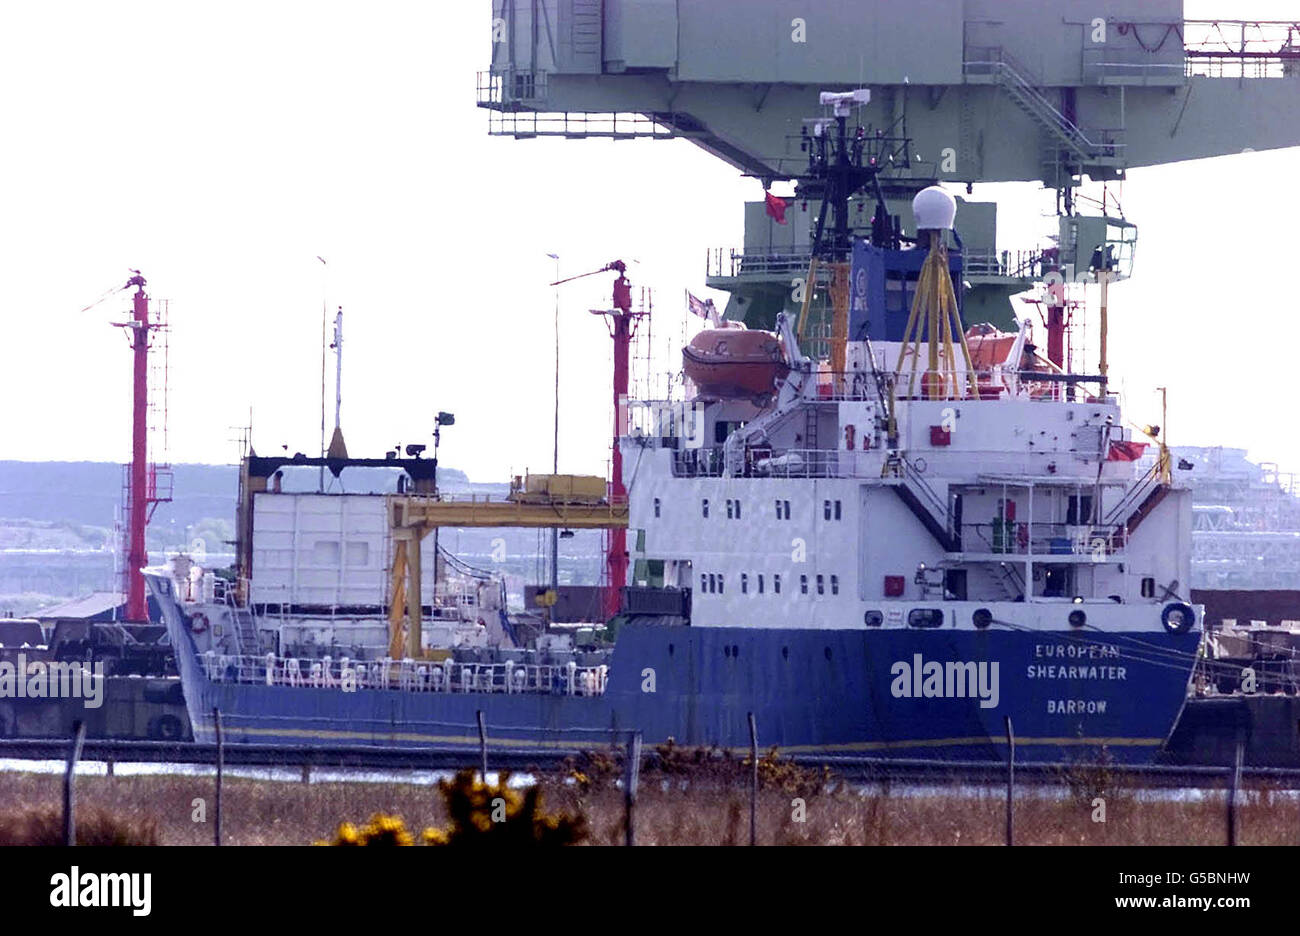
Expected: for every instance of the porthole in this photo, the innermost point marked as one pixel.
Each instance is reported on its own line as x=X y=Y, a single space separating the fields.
x=1078 y=618
x=925 y=617
x=982 y=618
x=873 y=619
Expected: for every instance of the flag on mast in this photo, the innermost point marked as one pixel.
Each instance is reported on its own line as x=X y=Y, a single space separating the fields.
x=704 y=308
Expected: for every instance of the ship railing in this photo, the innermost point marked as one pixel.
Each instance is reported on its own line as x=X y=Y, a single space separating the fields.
x=733 y=262
x=449 y=676
x=1098 y=541
x=991 y=384
x=785 y=463
x=681 y=424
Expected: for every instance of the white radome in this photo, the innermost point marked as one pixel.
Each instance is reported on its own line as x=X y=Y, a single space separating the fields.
x=934 y=209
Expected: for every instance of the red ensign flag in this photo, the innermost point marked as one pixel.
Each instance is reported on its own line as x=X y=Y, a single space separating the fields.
x=776 y=207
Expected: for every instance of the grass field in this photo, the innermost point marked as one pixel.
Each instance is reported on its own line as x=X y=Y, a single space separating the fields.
x=669 y=811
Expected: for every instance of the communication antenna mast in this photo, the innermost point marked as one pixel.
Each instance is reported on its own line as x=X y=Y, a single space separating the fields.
x=338 y=450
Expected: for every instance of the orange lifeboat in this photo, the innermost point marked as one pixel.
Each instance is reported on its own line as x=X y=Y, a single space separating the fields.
x=991 y=348
x=735 y=362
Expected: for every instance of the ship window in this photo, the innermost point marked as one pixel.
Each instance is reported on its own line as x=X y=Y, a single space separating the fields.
x=803 y=584
x=826 y=509
x=837 y=510
x=721 y=584
x=873 y=619
x=730 y=515
x=704 y=582
x=1148 y=587
x=821 y=585
x=325 y=553
x=787 y=509
x=925 y=617
x=744 y=583
x=776 y=582
x=358 y=553
x=1078 y=509
x=737 y=508
x=760 y=583
x=656 y=506
x=778 y=509
x=835 y=584
x=704 y=506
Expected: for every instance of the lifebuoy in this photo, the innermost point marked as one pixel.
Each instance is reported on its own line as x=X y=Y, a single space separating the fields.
x=198 y=622
x=1177 y=617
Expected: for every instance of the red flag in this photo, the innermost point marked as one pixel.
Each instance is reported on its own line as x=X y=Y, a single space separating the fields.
x=776 y=207
x=1126 y=451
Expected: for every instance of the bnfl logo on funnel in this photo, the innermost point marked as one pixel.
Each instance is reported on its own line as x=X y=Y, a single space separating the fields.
x=952 y=680
x=53 y=680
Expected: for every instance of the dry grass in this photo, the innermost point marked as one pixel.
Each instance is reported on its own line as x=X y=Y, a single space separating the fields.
x=43 y=825
x=670 y=810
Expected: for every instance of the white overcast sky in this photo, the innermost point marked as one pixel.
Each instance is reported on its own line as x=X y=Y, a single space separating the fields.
x=220 y=148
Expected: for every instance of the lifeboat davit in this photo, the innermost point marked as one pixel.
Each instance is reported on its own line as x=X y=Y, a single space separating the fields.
x=734 y=361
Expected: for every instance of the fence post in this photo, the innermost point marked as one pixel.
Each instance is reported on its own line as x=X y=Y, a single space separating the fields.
x=1233 y=785
x=631 y=776
x=221 y=767
x=1011 y=782
x=482 y=745
x=69 y=784
x=753 y=780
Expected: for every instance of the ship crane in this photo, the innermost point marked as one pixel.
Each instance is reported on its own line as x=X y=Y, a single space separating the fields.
x=622 y=326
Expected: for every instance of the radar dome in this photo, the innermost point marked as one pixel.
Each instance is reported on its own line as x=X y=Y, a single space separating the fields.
x=934 y=209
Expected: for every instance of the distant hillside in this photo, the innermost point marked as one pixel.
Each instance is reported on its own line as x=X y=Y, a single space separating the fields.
x=90 y=493
x=56 y=526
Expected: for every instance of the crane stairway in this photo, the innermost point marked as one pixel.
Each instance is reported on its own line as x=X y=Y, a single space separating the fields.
x=1068 y=138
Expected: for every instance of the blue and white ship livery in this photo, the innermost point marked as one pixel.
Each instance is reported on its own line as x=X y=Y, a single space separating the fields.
x=891 y=553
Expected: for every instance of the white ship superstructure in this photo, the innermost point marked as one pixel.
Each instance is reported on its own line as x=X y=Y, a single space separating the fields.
x=1010 y=506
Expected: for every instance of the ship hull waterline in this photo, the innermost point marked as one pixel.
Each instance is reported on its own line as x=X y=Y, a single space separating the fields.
x=1071 y=696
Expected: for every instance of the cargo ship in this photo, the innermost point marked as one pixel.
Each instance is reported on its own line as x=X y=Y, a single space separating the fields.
x=901 y=546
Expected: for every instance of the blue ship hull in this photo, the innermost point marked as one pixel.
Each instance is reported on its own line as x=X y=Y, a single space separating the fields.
x=1068 y=695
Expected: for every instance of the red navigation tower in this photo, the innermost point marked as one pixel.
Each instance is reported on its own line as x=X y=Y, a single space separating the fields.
x=141 y=492
x=622 y=326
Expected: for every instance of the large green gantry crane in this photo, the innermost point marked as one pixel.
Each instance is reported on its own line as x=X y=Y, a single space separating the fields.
x=962 y=91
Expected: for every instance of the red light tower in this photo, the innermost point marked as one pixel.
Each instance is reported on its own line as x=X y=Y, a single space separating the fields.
x=141 y=489
x=622 y=326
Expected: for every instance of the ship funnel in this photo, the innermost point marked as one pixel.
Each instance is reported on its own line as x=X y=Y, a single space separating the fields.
x=934 y=209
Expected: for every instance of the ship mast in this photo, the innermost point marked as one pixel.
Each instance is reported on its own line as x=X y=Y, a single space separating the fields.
x=142 y=492
x=622 y=326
